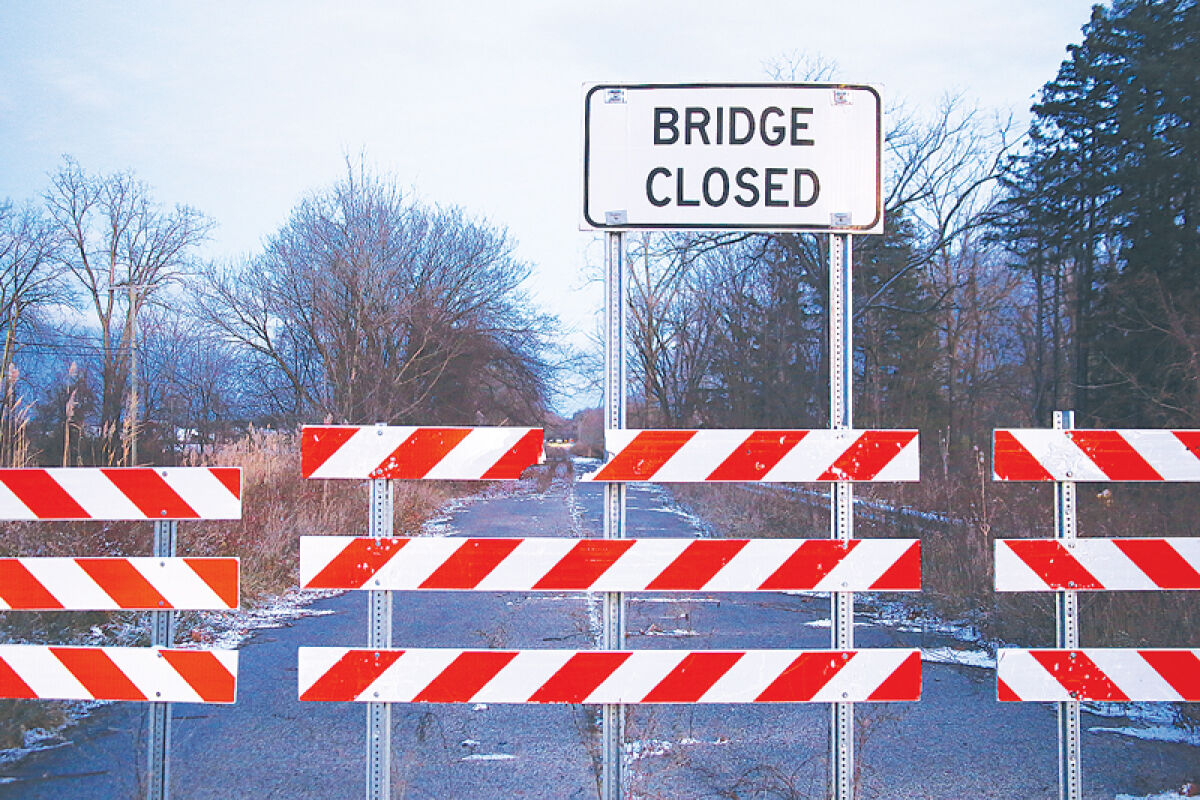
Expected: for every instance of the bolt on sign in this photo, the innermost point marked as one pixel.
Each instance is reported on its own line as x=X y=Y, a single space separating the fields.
x=771 y=156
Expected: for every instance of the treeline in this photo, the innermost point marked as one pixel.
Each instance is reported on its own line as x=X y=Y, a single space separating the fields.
x=123 y=345
x=1016 y=276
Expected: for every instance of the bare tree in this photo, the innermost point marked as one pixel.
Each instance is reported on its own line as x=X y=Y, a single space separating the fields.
x=194 y=385
x=30 y=281
x=124 y=249
x=674 y=323
x=944 y=180
x=369 y=307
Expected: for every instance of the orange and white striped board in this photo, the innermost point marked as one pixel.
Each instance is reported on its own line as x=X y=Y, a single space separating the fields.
x=608 y=676
x=1096 y=455
x=121 y=493
x=610 y=565
x=108 y=584
x=155 y=674
x=792 y=456
x=1043 y=565
x=401 y=452
x=1099 y=674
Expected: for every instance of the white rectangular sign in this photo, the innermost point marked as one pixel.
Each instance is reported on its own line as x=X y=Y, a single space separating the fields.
x=771 y=156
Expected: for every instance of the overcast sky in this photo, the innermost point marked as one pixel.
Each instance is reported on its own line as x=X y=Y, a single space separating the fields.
x=239 y=108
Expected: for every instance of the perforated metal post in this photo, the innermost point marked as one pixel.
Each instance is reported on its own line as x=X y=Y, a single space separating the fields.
x=841 y=383
x=379 y=635
x=162 y=634
x=612 y=728
x=1066 y=633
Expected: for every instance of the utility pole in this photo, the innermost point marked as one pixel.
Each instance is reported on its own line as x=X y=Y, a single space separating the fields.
x=132 y=415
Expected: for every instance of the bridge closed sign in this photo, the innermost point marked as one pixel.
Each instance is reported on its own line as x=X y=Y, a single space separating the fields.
x=772 y=157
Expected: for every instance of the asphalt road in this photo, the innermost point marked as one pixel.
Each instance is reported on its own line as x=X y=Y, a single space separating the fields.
x=958 y=742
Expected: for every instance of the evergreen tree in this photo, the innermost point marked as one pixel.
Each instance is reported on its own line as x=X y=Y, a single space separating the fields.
x=1104 y=200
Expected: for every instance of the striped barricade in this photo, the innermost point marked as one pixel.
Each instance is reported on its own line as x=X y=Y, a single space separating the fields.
x=1096 y=455
x=121 y=493
x=608 y=676
x=792 y=456
x=1068 y=674
x=149 y=674
x=1043 y=565
x=609 y=565
x=109 y=584
x=411 y=453
x=1098 y=674
x=154 y=674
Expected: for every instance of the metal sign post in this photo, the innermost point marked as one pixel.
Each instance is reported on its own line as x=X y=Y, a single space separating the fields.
x=761 y=157
x=841 y=379
x=162 y=635
x=1066 y=634
x=379 y=635
x=612 y=731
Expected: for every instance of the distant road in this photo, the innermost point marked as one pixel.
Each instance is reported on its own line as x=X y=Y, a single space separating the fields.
x=958 y=742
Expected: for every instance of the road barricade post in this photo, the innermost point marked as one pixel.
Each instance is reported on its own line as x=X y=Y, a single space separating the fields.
x=162 y=584
x=1067 y=565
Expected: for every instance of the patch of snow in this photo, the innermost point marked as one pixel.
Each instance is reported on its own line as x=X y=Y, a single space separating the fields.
x=675 y=632
x=229 y=630
x=470 y=743
x=690 y=600
x=1151 y=713
x=826 y=624
x=646 y=748
x=1163 y=796
x=488 y=757
x=479 y=707
x=40 y=739
x=717 y=741
x=949 y=655
x=1155 y=733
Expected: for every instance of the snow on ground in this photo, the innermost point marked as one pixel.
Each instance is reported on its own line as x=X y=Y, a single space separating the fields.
x=229 y=630
x=951 y=655
x=1155 y=733
x=637 y=749
x=40 y=739
x=652 y=631
x=646 y=748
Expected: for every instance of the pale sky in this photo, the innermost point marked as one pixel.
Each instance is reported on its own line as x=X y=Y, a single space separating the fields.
x=239 y=108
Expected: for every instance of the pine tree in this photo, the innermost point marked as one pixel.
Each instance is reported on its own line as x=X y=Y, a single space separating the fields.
x=1104 y=198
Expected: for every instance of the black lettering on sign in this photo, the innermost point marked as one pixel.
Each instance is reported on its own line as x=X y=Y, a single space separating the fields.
x=772 y=187
x=779 y=132
x=708 y=180
x=798 y=174
x=655 y=201
x=697 y=120
x=736 y=113
x=743 y=174
x=665 y=120
x=679 y=198
x=798 y=126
